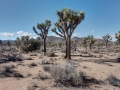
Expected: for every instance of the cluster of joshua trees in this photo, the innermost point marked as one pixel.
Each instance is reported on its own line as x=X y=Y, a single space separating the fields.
x=68 y=20
x=64 y=27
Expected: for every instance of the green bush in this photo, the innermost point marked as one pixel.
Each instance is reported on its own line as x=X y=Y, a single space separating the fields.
x=30 y=44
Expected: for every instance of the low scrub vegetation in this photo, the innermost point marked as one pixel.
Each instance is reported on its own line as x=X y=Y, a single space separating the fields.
x=66 y=74
x=7 y=71
x=50 y=54
x=112 y=80
x=46 y=68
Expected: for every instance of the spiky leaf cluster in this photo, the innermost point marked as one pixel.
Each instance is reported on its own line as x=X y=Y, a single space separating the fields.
x=91 y=39
x=117 y=36
x=68 y=21
x=43 y=27
x=70 y=16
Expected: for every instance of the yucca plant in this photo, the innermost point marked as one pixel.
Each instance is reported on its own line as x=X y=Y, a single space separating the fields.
x=117 y=36
x=107 y=38
x=43 y=27
x=68 y=21
x=91 y=41
x=84 y=42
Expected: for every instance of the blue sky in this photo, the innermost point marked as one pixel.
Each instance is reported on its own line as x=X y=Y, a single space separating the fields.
x=17 y=17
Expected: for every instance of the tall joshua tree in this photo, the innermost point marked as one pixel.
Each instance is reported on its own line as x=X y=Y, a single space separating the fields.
x=68 y=21
x=43 y=27
x=117 y=36
x=107 y=38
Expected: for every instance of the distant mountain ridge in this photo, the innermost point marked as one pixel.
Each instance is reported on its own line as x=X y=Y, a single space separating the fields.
x=54 y=39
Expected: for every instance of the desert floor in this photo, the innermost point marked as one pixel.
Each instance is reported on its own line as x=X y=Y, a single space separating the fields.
x=31 y=75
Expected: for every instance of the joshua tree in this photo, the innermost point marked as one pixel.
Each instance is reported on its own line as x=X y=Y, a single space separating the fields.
x=17 y=42
x=84 y=42
x=25 y=43
x=68 y=21
x=8 y=43
x=117 y=36
x=107 y=38
x=98 y=44
x=44 y=27
x=91 y=41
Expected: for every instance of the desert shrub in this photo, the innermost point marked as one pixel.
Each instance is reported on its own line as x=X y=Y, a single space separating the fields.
x=32 y=87
x=84 y=52
x=14 y=58
x=100 y=56
x=63 y=51
x=43 y=76
x=99 y=61
x=50 y=54
x=32 y=64
x=95 y=51
x=6 y=71
x=28 y=58
x=51 y=60
x=27 y=44
x=67 y=74
x=18 y=75
x=45 y=62
x=90 y=55
x=102 y=50
x=33 y=54
x=46 y=68
x=73 y=63
x=112 y=80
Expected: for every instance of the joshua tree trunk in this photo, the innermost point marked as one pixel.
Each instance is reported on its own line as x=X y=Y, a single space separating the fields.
x=106 y=44
x=44 y=47
x=66 y=50
x=68 y=21
x=69 y=48
x=90 y=46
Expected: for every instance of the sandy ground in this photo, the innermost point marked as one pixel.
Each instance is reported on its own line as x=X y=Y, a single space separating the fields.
x=90 y=65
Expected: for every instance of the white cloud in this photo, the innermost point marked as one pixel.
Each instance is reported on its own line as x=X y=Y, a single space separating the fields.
x=22 y=33
x=35 y=37
x=75 y=34
x=99 y=37
x=92 y=31
x=6 y=34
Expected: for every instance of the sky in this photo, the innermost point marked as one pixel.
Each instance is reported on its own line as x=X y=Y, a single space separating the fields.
x=17 y=17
